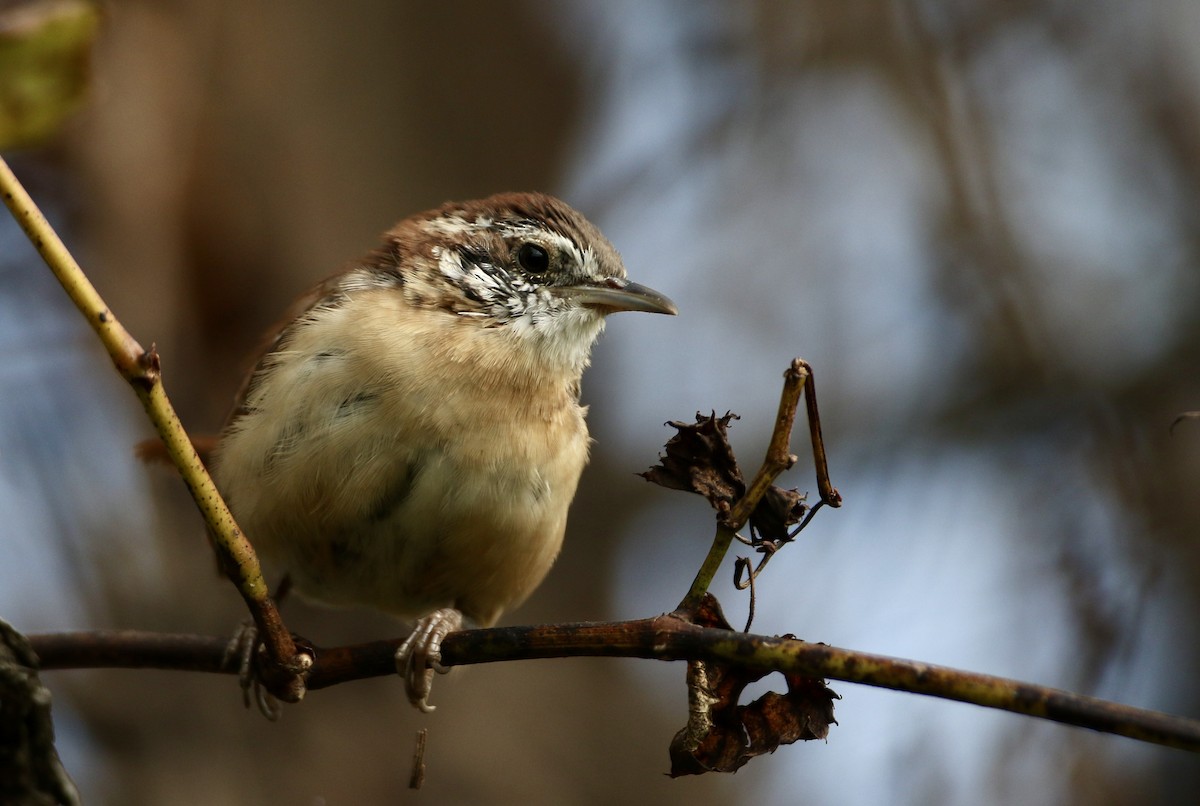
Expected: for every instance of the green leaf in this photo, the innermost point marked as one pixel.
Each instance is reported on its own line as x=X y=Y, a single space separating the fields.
x=45 y=49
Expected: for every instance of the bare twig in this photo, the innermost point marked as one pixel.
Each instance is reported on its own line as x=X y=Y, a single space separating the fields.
x=743 y=567
x=668 y=637
x=797 y=380
x=829 y=494
x=141 y=369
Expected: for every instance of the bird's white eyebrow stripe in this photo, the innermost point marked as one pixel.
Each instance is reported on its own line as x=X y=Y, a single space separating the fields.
x=451 y=225
x=524 y=227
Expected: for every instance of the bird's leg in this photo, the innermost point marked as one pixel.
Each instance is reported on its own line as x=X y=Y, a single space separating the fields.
x=242 y=646
x=421 y=653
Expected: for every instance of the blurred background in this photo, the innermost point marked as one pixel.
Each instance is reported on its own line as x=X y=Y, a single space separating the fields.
x=977 y=220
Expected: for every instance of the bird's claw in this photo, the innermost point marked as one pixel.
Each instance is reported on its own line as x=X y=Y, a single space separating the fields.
x=242 y=647
x=421 y=653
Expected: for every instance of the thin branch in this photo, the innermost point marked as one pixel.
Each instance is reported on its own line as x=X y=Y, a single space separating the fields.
x=778 y=459
x=669 y=637
x=141 y=369
x=829 y=495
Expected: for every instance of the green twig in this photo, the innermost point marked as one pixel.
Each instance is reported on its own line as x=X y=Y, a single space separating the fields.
x=141 y=369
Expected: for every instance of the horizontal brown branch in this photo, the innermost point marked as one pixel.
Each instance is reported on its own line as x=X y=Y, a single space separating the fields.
x=668 y=637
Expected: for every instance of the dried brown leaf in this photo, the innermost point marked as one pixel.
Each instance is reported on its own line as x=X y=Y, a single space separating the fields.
x=722 y=736
x=699 y=459
x=777 y=512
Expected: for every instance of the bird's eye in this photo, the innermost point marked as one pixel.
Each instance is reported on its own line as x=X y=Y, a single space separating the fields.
x=533 y=258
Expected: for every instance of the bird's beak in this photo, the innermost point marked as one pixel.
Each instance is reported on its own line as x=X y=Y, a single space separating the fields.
x=614 y=294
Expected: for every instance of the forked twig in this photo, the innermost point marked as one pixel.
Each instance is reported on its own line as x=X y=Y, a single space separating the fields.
x=797 y=380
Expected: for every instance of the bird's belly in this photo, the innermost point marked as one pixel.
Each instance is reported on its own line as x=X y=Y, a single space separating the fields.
x=407 y=523
x=476 y=538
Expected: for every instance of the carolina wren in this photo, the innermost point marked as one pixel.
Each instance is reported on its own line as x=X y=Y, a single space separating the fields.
x=411 y=438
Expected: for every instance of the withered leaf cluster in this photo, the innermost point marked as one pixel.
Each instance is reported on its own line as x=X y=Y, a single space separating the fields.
x=699 y=459
x=722 y=736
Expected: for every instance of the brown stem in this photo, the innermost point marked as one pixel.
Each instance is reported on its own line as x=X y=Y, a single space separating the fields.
x=829 y=494
x=797 y=380
x=668 y=637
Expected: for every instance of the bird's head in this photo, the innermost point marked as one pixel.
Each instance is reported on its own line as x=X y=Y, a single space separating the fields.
x=524 y=262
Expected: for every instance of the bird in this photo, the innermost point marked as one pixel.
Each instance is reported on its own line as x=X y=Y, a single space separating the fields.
x=411 y=437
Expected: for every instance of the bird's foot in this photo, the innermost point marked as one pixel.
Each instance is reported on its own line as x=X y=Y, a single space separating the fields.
x=242 y=648
x=421 y=653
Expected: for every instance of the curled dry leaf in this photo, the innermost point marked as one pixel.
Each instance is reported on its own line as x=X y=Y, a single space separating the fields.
x=722 y=736
x=776 y=513
x=699 y=459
